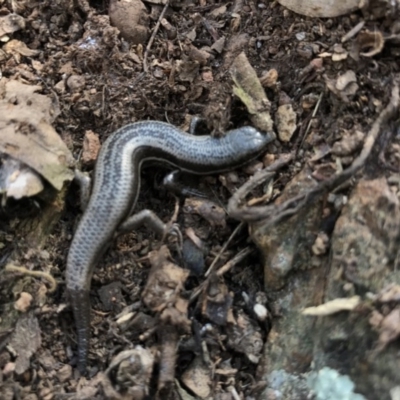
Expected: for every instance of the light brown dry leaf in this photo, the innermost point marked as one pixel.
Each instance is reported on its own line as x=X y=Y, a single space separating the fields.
x=325 y=54
x=371 y=42
x=165 y=281
x=344 y=86
x=332 y=307
x=219 y=45
x=187 y=71
x=11 y=23
x=344 y=80
x=218 y=11
x=248 y=88
x=130 y=371
x=27 y=134
x=16 y=47
x=198 y=378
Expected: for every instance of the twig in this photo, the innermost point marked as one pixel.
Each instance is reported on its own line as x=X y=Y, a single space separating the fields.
x=169 y=344
x=153 y=35
x=310 y=121
x=224 y=247
x=36 y=274
x=235 y=209
x=273 y=214
x=235 y=260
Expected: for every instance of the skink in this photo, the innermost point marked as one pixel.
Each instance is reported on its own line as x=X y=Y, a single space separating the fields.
x=116 y=188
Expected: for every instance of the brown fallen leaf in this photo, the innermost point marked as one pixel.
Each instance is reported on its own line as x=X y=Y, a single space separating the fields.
x=344 y=86
x=11 y=23
x=372 y=42
x=27 y=134
x=18 y=49
x=249 y=89
x=130 y=371
x=197 y=378
x=165 y=281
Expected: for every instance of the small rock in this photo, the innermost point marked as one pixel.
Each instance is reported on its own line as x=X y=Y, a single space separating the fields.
x=286 y=122
x=253 y=168
x=261 y=312
x=131 y=18
x=24 y=302
x=9 y=368
x=91 y=147
x=320 y=245
x=268 y=159
x=76 y=83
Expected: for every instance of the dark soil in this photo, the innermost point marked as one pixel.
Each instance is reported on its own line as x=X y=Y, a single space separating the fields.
x=98 y=80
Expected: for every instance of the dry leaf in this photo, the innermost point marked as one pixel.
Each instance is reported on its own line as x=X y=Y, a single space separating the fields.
x=130 y=371
x=344 y=86
x=165 y=281
x=16 y=46
x=11 y=23
x=27 y=136
x=371 y=42
x=198 y=378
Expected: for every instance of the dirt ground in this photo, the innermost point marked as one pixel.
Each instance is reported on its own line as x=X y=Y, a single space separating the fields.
x=326 y=225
